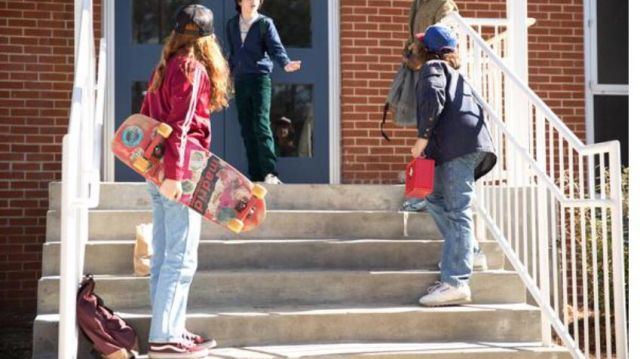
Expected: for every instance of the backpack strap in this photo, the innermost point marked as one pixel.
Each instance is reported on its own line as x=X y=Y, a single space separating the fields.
x=384 y=120
x=412 y=15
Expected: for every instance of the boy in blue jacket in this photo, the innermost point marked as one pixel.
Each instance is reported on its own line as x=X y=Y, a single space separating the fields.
x=253 y=41
x=452 y=131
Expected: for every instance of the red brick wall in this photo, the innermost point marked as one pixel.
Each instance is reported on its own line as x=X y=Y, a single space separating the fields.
x=372 y=35
x=556 y=59
x=36 y=74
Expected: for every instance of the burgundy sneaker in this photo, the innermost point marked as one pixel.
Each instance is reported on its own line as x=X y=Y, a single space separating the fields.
x=199 y=341
x=176 y=350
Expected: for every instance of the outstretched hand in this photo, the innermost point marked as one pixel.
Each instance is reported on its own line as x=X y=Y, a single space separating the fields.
x=293 y=66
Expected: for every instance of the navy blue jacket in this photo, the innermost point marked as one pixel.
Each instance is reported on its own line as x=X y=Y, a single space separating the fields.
x=450 y=118
x=254 y=56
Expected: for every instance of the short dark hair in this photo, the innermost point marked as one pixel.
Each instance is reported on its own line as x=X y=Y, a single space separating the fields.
x=239 y=9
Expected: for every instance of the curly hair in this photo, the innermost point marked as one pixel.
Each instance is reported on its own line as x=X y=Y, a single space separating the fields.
x=206 y=51
x=452 y=57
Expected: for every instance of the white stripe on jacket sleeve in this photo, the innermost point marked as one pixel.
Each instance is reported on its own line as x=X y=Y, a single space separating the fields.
x=190 y=115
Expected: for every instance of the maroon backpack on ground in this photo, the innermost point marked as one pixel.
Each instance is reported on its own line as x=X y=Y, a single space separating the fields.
x=112 y=337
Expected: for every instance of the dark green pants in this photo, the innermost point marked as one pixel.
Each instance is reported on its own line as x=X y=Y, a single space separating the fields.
x=253 y=99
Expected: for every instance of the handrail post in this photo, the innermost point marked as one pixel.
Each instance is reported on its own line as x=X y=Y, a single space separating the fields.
x=517 y=40
x=543 y=250
x=76 y=178
x=518 y=118
x=67 y=332
x=544 y=232
x=617 y=255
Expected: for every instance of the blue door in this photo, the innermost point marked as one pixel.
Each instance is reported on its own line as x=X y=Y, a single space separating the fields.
x=299 y=109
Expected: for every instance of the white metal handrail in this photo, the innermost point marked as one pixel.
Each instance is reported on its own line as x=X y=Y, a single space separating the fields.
x=81 y=152
x=554 y=204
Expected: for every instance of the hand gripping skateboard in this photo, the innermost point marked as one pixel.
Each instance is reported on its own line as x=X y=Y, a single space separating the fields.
x=210 y=186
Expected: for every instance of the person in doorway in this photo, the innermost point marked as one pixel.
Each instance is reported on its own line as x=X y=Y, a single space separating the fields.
x=285 y=137
x=451 y=130
x=190 y=81
x=253 y=41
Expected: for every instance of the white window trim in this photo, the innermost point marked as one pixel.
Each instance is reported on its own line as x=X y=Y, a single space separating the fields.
x=108 y=26
x=592 y=85
x=613 y=90
x=590 y=62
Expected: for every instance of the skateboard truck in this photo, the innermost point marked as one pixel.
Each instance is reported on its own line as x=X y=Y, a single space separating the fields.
x=154 y=150
x=248 y=209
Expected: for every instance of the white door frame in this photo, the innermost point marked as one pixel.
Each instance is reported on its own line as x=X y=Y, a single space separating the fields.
x=592 y=84
x=335 y=152
x=108 y=28
x=109 y=33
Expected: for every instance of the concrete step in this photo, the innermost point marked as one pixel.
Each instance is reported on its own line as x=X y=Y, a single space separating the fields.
x=280 y=288
x=330 y=254
x=438 y=350
x=289 y=196
x=383 y=350
x=309 y=325
x=120 y=224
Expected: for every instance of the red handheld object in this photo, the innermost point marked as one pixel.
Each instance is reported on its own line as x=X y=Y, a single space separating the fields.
x=419 y=178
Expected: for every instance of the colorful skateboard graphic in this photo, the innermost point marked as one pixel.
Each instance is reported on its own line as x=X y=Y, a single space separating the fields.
x=211 y=186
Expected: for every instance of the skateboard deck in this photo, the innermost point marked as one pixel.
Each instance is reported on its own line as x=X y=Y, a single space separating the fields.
x=211 y=186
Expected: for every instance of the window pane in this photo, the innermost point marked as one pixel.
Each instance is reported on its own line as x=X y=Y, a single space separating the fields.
x=152 y=20
x=292 y=119
x=138 y=90
x=611 y=115
x=292 y=19
x=613 y=41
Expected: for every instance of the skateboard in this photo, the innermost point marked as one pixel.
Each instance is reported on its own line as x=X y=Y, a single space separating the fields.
x=211 y=186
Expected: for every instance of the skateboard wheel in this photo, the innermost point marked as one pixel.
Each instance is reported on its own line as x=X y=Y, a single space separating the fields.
x=259 y=191
x=164 y=130
x=141 y=164
x=235 y=225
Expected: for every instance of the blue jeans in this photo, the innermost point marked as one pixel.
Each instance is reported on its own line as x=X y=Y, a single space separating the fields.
x=176 y=233
x=450 y=207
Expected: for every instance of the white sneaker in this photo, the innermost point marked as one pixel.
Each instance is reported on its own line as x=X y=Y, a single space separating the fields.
x=272 y=179
x=441 y=294
x=479 y=262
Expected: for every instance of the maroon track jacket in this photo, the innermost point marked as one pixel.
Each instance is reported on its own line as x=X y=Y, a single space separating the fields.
x=176 y=104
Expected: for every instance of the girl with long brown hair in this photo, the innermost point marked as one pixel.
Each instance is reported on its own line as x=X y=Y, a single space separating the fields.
x=190 y=81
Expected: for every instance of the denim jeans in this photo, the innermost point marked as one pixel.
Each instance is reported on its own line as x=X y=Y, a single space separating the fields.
x=176 y=233
x=450 y=207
